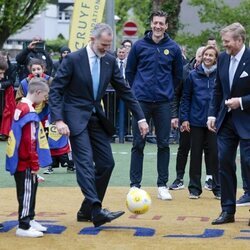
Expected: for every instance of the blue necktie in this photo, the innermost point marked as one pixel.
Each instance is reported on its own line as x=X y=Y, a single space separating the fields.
x=95 y=76
x=232 y=70
x=121 y=67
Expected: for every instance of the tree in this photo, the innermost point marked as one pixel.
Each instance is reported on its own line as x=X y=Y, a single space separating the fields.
x=142 y=10
x=218 y=14
x=16 y=14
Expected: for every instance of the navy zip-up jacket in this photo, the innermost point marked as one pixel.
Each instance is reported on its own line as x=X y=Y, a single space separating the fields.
x=154 y=70
x=196 y=97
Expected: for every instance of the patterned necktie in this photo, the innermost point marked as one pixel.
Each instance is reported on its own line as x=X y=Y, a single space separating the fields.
x=95 y=76
x=232 y=69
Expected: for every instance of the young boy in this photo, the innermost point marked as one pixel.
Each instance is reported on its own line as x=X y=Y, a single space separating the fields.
x=28 y=149
x=3 y=68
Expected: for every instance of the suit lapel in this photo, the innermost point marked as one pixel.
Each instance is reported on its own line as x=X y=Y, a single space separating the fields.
x=240 y=68
x=225 y=64
x=84 y=60
x=104 y=63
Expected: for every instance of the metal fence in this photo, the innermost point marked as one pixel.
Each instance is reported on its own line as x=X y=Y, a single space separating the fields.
x=120 y=116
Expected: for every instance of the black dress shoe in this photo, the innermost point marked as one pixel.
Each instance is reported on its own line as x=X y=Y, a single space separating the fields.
x=114 y=214
x=82 y=216
x=104 y=216
x=224 y=218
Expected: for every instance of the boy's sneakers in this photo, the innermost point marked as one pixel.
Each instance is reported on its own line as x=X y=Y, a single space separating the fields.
x=208 y=184
x=177 y=184
x=1 y=226
x=36 y=225
x=40 y=179
x=49 y=170
x=244 y=200
x=164 y=194
x=31 y=232
x=71 y=169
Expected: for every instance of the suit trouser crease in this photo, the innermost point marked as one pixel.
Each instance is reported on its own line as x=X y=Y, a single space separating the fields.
x=160 y=114
x=92 y=155
x=228 y=141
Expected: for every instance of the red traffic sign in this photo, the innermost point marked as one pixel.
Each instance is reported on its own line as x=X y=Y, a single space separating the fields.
x=130 y=28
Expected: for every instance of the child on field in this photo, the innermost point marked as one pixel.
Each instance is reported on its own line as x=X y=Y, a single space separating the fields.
x=3 y=68
x=27 y=149
x=59 y=144
x=37 y=68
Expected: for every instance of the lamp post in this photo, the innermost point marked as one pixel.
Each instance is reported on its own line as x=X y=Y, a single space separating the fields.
x=110 y=20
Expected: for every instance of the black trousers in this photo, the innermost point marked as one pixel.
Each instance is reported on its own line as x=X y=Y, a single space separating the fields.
x=160 y=113
x=182 y=154
x=63 y=160
x=26 y=188
x=199 y=135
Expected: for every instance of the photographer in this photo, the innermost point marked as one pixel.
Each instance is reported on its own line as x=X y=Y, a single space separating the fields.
x=35 y=49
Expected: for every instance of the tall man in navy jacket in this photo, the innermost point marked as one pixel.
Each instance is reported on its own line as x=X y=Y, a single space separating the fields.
x=154 y=69
x=75 y=105
x=229 y=115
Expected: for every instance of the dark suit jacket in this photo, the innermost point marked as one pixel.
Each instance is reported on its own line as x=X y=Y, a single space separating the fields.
x=240 y=88
x=71 y=97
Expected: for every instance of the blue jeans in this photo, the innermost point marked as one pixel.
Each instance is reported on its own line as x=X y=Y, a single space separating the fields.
x=160 y=113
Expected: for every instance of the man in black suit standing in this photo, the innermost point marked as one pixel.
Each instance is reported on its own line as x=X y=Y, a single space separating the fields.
x=229 y=115
x=75 y=105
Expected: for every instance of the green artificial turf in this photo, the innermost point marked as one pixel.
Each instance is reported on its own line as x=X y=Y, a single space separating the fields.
x=120 y=176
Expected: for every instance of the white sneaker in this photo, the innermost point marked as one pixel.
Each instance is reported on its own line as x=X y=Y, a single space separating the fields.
x=164 y=194
x=40 y=178
x=31 y=232
x=36 y=225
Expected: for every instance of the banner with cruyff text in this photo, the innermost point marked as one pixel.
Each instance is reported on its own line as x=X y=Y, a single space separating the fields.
x=86 y=14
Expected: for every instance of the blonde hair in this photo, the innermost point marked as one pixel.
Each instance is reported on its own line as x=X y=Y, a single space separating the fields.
x=37 y=83
x=236 y=29
x=210 y=47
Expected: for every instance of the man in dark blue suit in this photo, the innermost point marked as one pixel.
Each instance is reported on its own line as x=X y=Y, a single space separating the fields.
x=229 y=115
x=75 y=105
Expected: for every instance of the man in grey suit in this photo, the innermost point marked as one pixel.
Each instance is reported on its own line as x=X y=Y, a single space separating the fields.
x=75 y=105
x=229 y=115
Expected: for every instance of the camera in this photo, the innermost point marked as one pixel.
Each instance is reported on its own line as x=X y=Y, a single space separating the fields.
x=40 y=45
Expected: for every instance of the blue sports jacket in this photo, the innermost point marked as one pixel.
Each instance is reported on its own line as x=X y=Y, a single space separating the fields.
x=154 y=69
x=196 y=97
